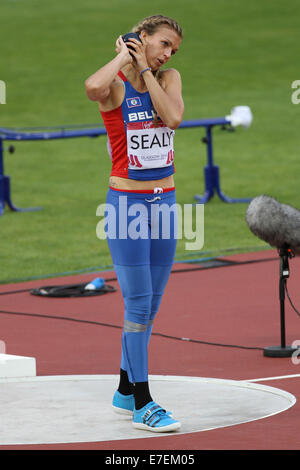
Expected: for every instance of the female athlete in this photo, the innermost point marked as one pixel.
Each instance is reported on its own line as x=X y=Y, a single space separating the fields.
x=141 y=106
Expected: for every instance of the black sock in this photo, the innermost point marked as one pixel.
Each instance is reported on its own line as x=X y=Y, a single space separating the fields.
x=125 y=387
x=141 y=394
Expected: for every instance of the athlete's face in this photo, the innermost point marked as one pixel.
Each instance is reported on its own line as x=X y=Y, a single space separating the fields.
x=160 y=46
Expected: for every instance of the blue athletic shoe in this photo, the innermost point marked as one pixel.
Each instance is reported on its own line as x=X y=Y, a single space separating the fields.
x=153 y=417
x=123 y=404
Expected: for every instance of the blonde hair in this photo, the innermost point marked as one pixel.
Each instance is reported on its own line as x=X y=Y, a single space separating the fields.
x=150 y=24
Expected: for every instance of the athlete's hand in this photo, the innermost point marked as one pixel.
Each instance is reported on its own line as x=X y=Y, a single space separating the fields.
x=122 y=50
x=139 y=53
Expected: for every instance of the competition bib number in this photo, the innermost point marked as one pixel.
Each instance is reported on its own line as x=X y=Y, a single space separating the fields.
x=149 y=145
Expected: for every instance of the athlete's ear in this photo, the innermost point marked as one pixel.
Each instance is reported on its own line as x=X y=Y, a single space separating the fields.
x=143 y=35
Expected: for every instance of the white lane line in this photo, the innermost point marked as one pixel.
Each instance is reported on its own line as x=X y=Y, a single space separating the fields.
x=264 y=379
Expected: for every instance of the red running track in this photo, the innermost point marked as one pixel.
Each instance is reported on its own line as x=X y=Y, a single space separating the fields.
x=231 y=310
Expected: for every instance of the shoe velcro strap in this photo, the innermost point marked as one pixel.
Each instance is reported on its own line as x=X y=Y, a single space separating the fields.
x=155 y=418
x=154 y=409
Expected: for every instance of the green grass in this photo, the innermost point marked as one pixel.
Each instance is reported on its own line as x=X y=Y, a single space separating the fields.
x=233 y=53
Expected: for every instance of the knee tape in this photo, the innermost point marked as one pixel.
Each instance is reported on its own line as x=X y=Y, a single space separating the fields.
x=132 y=327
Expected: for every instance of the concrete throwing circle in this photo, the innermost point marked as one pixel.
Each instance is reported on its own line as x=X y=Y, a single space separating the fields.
x=69 y=409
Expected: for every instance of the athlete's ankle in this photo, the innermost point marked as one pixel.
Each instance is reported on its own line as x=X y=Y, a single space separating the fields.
x=142 y=394
x=125 y=387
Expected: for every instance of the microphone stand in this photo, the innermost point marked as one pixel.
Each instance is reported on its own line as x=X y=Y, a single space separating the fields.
x=285 y=254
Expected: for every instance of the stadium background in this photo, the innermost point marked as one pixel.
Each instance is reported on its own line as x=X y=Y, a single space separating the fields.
x=233 y=53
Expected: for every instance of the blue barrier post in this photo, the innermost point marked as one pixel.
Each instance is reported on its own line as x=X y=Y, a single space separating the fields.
x=211 y=171
x=2 y=198
x=5 y=197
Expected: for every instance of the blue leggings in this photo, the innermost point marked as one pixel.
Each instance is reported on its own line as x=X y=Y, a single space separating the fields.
x=141 y=230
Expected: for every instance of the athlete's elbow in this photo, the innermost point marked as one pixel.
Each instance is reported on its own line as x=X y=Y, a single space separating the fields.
x=90 y=90
x=176 y=119
x=95 y=93
x=91 y=95
x=174 y=123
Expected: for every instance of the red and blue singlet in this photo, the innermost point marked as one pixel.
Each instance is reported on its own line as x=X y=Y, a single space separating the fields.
x=141 y=148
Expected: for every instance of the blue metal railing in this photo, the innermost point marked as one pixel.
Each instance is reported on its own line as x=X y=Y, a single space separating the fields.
x=211 y=171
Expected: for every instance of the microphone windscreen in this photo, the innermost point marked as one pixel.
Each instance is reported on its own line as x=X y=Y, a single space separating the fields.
x=275 y=223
